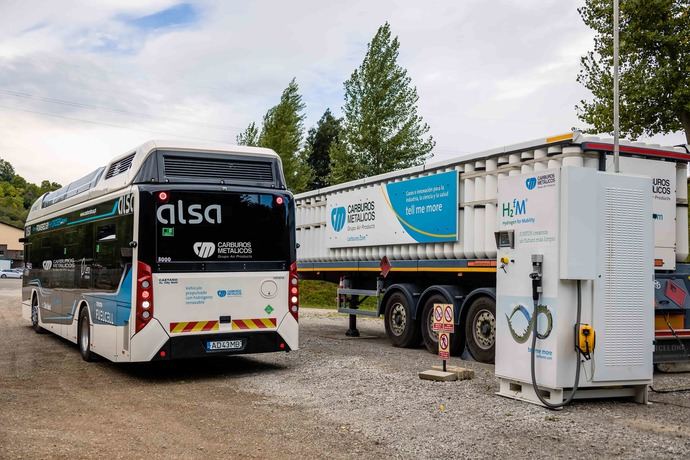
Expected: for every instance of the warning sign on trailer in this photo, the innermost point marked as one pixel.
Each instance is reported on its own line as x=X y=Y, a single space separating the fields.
x=444 y=345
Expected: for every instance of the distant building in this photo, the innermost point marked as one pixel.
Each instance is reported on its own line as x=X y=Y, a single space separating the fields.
x=10 y=247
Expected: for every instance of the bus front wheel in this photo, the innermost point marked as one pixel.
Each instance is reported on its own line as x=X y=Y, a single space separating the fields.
x=34 y=316
x=84 y=335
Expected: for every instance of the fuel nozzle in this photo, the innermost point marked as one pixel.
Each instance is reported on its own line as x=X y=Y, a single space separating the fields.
x=536 y=275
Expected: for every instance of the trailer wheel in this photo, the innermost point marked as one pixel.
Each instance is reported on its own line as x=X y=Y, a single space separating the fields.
x=430 y=338
x=480 y=329
x=84 y=336
x=401 y=329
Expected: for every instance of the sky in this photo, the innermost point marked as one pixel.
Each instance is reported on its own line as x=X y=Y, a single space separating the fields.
x=84 y=80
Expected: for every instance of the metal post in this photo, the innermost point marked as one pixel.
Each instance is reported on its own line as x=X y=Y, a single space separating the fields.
x=616 y=96
x=352 y=330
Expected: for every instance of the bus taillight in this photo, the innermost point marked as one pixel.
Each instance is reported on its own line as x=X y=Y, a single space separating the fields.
x=144 y=296
x=293 y=297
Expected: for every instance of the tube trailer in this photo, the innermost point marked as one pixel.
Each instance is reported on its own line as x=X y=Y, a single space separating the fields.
x=428 y=234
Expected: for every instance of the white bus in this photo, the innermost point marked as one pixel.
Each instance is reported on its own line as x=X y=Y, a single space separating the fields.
x=172 y=250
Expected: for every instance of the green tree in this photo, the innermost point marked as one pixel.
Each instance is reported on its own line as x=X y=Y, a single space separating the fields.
x=317 y=149
x=382 y=130
x=250 y=136
x=654 y=67
x=17 y=195
x=282 y=131
x=6 y=171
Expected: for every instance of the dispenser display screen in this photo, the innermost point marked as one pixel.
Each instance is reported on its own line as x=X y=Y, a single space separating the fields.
x=505 y=239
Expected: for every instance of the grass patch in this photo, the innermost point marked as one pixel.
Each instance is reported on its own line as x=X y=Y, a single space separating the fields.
x=321 y=294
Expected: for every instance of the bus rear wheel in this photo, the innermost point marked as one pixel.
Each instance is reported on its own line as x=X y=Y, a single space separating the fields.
x=84 y=336
x=480 y=329
x=401 y=329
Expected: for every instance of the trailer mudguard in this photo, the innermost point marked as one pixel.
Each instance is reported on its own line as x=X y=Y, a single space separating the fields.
x=482 y=291
x=409 y=290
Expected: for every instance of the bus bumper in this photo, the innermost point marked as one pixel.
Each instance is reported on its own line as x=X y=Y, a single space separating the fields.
x=197 y=346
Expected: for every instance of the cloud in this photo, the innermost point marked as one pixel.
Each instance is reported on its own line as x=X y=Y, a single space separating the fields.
x=82 y=81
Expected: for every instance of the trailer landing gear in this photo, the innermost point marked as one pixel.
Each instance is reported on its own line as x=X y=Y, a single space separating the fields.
x=353 y=331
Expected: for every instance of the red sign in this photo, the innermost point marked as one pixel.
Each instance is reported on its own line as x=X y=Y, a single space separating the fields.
x=448 y=318
x=675 y=293
x=437 y=325
x=385 y=266
x=444 y=345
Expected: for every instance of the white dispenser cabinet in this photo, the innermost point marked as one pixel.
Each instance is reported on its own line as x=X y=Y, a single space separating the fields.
x=591 y=228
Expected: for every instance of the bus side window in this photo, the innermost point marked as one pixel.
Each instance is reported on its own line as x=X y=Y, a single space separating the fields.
x=106 y=267
x=71 y=240
x=106 y=233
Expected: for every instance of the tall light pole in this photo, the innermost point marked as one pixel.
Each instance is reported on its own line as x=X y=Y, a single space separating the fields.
x=616 y=96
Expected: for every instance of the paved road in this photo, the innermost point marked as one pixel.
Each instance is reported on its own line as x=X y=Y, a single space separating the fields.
x=336 y=397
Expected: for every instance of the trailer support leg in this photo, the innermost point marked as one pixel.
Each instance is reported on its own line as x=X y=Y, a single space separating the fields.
x=353 y=331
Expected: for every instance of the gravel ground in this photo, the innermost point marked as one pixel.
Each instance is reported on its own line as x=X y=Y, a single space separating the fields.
x=336 y=397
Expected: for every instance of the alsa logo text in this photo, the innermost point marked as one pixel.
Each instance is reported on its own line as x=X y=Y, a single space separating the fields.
x=192 y=214
x=514 y=208
x=125 y=204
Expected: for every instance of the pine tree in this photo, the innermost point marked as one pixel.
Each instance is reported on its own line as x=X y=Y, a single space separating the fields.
x=382 y=130
x=282 y=131
x=250 y=136
x=317 y=149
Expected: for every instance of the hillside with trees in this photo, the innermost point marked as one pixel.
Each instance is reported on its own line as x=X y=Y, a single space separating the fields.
x=17 y=194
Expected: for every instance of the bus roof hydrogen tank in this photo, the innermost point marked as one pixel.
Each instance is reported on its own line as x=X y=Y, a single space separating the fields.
x=172 y=250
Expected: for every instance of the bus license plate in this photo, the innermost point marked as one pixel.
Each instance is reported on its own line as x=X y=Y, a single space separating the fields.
x=217 y=345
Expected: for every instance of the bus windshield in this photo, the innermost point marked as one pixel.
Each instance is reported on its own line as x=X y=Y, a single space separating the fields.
x=221 y=227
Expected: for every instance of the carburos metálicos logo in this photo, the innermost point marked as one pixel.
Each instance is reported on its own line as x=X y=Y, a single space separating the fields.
x=530 y=183
x=204 y=249
x=338 y=218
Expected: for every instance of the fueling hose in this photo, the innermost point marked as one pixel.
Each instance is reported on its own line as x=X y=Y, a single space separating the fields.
x=567 y=401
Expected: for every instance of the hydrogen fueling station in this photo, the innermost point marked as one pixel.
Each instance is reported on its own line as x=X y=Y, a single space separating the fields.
x=575 y=247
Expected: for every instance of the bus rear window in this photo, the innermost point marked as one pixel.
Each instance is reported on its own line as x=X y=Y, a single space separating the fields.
x=213 y=227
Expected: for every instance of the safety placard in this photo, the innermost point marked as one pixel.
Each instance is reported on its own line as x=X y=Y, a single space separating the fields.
x=444 y=345
x=443 y=318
